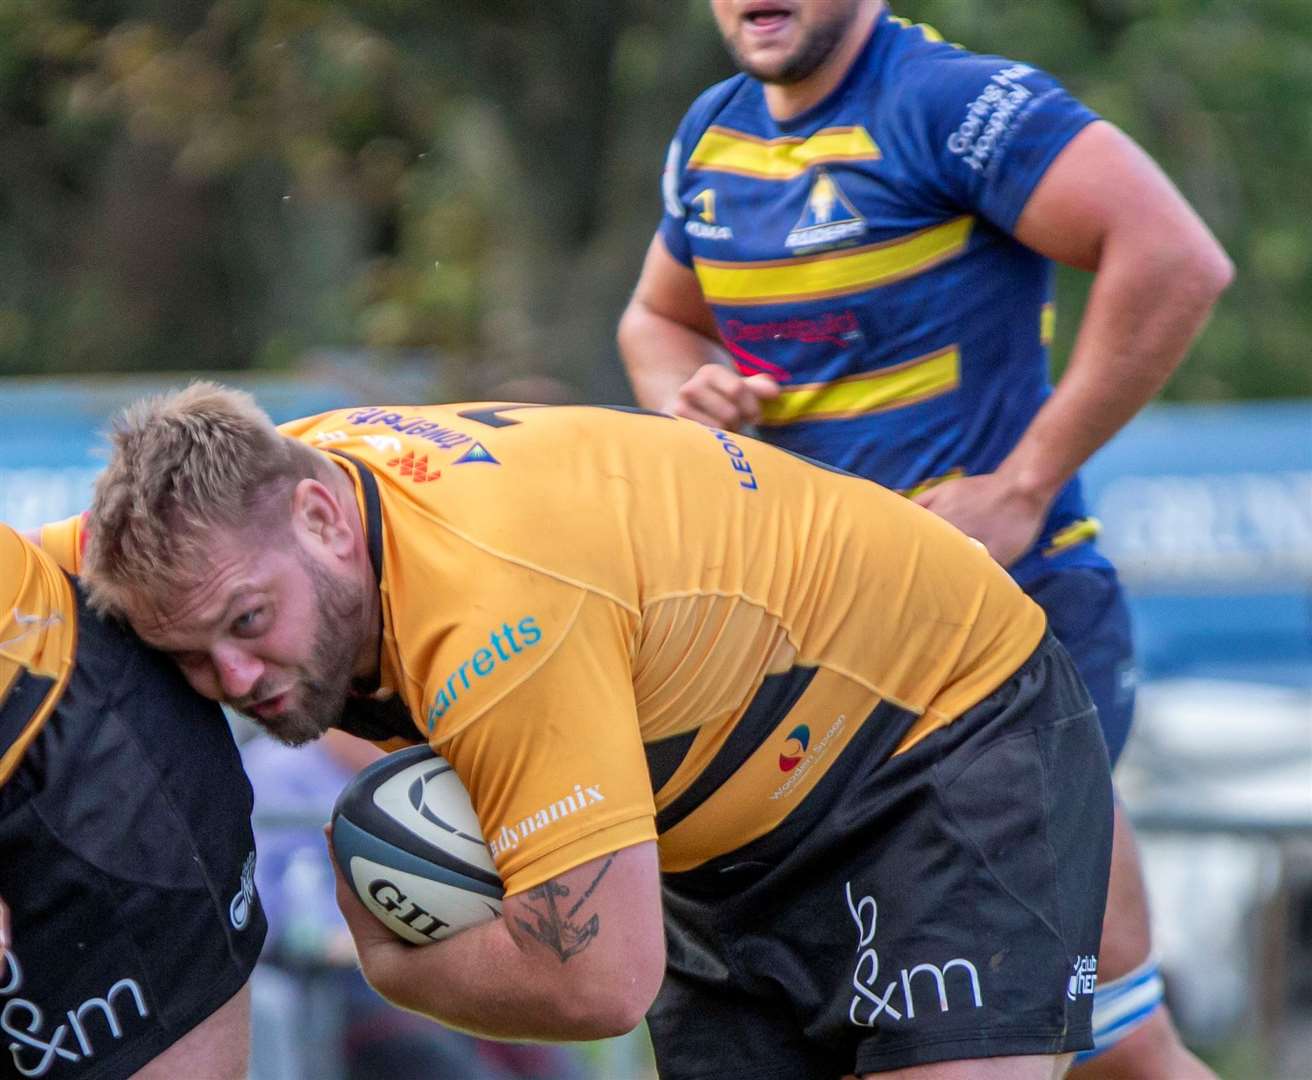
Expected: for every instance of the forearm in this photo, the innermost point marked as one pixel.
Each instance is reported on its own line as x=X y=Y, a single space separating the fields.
x=1142 y=315
x=580 y=956
x=482 y=981
x=660 y=355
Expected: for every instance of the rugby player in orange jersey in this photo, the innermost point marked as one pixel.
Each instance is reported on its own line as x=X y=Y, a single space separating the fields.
x=763 y=752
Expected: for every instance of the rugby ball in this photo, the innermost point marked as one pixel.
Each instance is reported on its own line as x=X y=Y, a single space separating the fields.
x=409 y=844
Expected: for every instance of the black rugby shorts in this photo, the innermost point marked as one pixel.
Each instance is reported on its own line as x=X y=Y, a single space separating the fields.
x=942 y=904
x=127 y=862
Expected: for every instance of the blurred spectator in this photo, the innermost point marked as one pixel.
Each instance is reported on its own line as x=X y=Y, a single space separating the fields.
x=315 y=1017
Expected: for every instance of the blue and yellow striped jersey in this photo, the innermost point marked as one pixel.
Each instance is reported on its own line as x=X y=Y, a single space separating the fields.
x=861 y=253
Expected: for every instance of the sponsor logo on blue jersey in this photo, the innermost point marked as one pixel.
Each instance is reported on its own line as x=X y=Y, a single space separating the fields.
x=989 y=116
x=837 y=328
x=704 y=226
x=829 y=220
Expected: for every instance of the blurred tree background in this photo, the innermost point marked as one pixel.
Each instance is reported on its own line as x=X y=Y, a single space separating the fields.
x=230 y=184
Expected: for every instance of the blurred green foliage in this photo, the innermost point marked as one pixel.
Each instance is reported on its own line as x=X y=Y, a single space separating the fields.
x=220 y=185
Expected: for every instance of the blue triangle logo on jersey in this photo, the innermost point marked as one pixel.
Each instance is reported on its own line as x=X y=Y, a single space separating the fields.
x=477 y=452
x=828 y=219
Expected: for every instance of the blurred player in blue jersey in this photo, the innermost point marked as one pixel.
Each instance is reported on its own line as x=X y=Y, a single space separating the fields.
x=856 y=258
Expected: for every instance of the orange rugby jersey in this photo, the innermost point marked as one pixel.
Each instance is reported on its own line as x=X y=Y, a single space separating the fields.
x=620 y=626
x=570 y=593
x=38 y=638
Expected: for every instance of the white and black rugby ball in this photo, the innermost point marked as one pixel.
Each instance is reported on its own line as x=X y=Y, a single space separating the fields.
x=405 y=836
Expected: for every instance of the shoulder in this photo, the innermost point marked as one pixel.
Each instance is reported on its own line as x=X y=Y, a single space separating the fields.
x=945 y=107
x=712 y=101
x=709 y=109
x=921 y=74
x=38 y=613
x=489 y=642
x=15 y=551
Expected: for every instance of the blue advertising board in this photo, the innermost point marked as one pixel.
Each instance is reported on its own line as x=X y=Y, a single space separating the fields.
x=52 y=431
x=1207 y=512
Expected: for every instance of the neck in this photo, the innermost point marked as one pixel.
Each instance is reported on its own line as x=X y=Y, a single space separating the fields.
x=786 y=101
x=368 y=661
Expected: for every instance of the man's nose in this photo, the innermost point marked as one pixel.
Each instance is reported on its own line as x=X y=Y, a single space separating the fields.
x=237 y=671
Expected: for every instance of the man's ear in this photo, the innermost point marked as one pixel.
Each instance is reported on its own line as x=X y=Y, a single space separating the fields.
x=319 y=520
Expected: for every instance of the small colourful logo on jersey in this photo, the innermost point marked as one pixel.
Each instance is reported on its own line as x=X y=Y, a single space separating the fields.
x=415 y=469
x=704 y=226
x=476 y=453
x=795 y=748
x=828 y=221
x=801 y=756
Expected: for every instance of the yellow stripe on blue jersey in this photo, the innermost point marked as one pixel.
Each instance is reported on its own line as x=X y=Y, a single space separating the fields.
x=933 y=482
x=857 y=395
x=832 y=273
x=1077 y=532
x=928 y=31
x=570 y=591
x=38 y=638
x=726 y=151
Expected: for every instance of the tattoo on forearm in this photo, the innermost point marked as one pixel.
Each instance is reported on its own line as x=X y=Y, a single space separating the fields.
x=559 y=932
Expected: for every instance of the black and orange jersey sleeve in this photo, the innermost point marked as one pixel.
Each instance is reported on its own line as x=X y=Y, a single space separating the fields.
x=38 y=637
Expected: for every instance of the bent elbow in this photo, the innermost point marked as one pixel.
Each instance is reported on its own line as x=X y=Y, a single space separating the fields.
x=1204 y=270
x=611 y=1008
x=633 y=326
x=1186 y=279
x=1220 y=273
x=615 y=1016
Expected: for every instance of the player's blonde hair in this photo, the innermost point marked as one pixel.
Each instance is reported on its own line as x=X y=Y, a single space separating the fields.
x=181 y=465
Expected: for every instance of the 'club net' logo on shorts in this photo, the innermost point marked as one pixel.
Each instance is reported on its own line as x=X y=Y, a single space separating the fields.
x=1084 y=977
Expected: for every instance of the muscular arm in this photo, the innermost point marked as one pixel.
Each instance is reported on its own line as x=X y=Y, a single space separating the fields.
x=579 y=957
x=1104 y=206
x=672 y=352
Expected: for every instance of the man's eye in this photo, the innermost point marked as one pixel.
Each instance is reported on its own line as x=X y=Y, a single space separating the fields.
x=249 y=622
